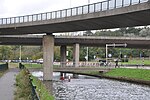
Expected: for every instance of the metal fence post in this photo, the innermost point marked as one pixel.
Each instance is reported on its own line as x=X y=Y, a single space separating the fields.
x=108 y=5
x=122 y=3
x=115 y=4
x=130 y=2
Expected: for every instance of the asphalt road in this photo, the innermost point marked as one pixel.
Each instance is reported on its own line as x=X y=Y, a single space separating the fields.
x=7 y=86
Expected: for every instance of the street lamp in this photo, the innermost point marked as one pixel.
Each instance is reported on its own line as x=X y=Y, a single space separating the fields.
x=88 y=1
x=70 y=3
x=87 y=54
x=20 y=54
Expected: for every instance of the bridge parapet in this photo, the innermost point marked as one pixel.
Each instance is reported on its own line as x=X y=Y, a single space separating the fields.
x=95 y=7
x=74 y=69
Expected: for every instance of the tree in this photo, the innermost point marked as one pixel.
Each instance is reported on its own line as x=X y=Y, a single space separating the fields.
x=88 y=33
x=145 y=32
x=5 y=52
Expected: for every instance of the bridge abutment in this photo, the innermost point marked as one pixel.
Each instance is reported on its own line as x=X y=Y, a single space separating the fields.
x=48 y=54
x=63 y=55
x=76 y=55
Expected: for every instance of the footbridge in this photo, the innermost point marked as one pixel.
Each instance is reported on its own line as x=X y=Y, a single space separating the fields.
x=81 y=69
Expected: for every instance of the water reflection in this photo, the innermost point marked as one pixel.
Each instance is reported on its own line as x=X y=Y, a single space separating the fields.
x=89 y=88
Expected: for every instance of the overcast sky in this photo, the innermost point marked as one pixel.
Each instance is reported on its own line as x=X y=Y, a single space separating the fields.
x=11 y=8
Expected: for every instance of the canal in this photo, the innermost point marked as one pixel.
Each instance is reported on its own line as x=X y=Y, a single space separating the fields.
x=91 y=88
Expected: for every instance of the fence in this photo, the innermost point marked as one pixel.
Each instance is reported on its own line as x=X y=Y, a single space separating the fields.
x=3 y=67
x=95 y=7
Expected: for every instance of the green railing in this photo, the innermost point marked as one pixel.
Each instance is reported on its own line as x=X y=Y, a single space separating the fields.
x=3 y=67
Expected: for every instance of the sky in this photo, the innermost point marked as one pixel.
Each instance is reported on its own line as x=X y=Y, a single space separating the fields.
x=12 y=8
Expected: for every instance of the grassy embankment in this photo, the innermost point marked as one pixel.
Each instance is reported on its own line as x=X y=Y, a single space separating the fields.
x=24 y=87
x=33 y=65
x=41 y=90
x=138 y=61
x=28 y=65
x=139 y=74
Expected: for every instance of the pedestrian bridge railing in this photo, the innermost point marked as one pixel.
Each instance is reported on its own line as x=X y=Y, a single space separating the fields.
x=90 y=8
x=83 y=64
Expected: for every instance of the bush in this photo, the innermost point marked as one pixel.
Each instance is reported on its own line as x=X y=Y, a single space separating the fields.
x=41 y=89
x=23 y=86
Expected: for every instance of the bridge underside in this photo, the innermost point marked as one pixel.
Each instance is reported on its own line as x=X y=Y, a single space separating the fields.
x=70 y=41
x=135 y=15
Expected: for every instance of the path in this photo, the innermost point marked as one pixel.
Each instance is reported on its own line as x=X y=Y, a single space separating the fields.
x=7 y=86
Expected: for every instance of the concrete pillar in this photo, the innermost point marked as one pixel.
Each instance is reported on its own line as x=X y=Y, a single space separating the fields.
x=76 y=55
x=48 y=54
x=63 y=55
x=49 y=86
x=75 y=75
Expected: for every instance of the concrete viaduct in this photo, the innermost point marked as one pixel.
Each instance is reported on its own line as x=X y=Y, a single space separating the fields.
x=102 y=15
x=97 y=41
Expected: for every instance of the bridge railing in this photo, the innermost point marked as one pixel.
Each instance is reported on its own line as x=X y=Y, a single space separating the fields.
x=83 y=64
x=95 y=7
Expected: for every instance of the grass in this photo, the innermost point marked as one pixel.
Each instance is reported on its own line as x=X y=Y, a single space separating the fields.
x=28 y=65
x=13 y=65
x=141 y=74
x=41 y=90
x=1 y=74
x=138 y=61
x=33 y=65
x=23 y=86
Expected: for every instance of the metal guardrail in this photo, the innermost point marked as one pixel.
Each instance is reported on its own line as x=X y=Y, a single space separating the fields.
x=103 y=37
x=95 y=7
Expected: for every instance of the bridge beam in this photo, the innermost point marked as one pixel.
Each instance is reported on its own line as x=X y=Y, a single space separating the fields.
x=76 y=55
x=63 y=55
x=48 y=54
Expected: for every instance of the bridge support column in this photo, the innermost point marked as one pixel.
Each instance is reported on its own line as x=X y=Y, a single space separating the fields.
x=63 y=55
x=76 y=55
x=48 y=54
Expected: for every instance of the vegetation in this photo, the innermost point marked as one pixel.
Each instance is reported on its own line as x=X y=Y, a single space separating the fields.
x=1 y=73
x=33 y=65
x=138 y=62
x=141 y=74
x=41 y=90
x=23 y=86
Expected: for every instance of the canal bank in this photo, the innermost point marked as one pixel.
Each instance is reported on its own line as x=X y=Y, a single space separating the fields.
x=91 y=88
x=141 y=76
x=137 y=76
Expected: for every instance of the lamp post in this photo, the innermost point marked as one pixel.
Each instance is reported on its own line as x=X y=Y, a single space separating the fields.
x=87 y=54
x=88 y=1
x=70 y=3
x=20 y=54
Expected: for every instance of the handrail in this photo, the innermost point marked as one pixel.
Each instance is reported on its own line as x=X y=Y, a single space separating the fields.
x=85 y=9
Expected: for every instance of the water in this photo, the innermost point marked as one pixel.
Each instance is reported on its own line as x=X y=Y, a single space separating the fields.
x=90 y=88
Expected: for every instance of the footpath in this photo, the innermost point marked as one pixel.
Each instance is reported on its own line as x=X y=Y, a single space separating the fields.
x=7 y=86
